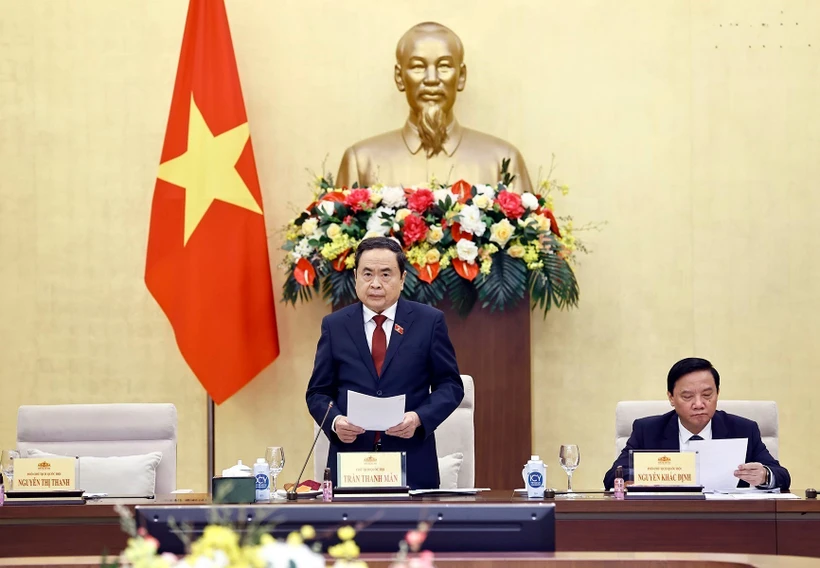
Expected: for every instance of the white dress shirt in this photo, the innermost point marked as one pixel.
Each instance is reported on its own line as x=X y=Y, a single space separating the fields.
x=684 y=436
x=370 y=327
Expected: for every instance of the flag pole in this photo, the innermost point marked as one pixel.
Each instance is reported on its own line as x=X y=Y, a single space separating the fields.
x=211 y=460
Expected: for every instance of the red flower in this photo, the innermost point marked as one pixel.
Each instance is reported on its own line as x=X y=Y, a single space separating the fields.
x=467 y=270
x=428 y=272
x=463 y=190
x=457 y=233
x=304 y=272
x=358 y=199
x=510 y=204
x=420 y=200
x=415 y=229
x=348 y=220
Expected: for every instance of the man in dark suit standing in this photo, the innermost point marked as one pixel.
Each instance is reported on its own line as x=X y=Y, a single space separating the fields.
x=384 y=346
x=692 y=387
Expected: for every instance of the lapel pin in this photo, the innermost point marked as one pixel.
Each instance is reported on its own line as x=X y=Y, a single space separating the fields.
x=399 y=329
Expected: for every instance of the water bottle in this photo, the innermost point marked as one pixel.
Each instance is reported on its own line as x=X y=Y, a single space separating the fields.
x=535 y=477
x=261 y=471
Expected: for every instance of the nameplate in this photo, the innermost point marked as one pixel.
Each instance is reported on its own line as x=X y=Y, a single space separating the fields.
x=44 y=474
x=371 y=469
x=662 y=468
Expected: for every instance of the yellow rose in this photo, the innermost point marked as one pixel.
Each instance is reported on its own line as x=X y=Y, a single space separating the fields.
x=435 y=234
x=501 y=232
x=516 y=251
x=309 y=226
x=375 y=198
x=401 y=214
x=543 y=222
x=432 y=256
x=481 y=201
x=333 y=231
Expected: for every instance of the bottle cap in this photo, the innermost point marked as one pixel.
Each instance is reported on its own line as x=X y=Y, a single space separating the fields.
x=535 y=458
x=327 y=474
x=260 y=460
x=619 y=471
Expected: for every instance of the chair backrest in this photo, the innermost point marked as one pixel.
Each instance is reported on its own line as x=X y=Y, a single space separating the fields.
x=764 y=412
x=104 y=430
x=455 y=434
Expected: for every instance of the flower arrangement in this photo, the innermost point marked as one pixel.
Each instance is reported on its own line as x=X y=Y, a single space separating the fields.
x=222 y=547
x=470 y=243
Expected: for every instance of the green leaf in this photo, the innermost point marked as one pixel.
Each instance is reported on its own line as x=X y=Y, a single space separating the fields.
x=339 y=288
x=462 y=293
x=555 y=284
x=506 y=283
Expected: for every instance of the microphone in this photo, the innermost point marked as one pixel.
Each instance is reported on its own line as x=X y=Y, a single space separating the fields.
x=292 y=492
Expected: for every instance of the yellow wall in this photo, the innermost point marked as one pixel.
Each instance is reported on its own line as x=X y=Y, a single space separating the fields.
x=669 y=120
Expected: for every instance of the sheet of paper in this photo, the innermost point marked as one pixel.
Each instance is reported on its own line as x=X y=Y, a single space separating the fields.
x=460 y=490
x=749 y=496
x=718 y=460
x=374 y=413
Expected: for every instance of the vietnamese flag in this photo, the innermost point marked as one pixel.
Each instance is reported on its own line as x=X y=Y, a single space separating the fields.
x=207 y=264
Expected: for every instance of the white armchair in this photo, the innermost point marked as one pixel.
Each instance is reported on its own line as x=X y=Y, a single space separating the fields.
x=764 y=412
x=103 y=430
x=456 y=434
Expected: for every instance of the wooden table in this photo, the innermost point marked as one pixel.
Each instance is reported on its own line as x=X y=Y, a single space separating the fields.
x=588 y=522
x=557 y=560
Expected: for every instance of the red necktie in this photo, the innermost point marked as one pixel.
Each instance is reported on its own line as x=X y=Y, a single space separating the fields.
x=379 y=343
x=378 y=350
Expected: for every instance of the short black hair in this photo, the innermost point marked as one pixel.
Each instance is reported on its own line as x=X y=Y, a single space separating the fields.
x=373 y=243
x=690 y=365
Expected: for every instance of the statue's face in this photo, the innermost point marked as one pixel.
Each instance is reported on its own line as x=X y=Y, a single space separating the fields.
x=431 y=73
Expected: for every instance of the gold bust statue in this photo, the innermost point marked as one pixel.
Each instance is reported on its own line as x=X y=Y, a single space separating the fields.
x=430 y=70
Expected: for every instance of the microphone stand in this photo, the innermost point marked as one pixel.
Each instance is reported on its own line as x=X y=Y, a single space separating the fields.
x=292 y=493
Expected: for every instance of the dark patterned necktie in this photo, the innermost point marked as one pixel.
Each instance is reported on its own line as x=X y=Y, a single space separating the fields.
x=379 y=343
x=695 y=437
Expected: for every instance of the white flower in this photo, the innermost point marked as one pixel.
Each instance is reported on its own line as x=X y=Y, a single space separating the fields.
x=487 y=190
x=302 y=249
x=310 y=225
x=482 y=201
x=327 y=207
x=441 y=195
x=376 y=220
x=467 y=250
x=529 y=200
x=393 y=197
x=470 y=220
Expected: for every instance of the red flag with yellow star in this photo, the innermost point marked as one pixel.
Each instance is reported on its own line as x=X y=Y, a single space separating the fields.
x=207 y=264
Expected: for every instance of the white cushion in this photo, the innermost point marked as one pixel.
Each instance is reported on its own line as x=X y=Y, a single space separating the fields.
x=103 y=430
x=448 y=468
x=117 y=475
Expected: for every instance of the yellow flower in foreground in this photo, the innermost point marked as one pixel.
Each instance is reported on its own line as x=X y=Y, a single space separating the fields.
x=435 y=234
x=308 y=532
x=294 y=539
x=346 y=549
x=433 y=256
x=346 y=533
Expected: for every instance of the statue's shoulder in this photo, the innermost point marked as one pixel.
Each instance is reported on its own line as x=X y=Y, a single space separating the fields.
x=486 y=141
x=379 y=143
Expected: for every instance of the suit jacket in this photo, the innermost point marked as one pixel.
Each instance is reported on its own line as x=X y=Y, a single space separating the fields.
x=420 y=363
x=662 y=433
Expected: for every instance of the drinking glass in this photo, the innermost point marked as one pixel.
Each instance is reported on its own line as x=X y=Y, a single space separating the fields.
x=570 y=457
x=7 y=465
x=275 y=456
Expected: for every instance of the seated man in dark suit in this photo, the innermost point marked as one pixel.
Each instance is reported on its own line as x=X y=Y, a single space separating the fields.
x=692 y=387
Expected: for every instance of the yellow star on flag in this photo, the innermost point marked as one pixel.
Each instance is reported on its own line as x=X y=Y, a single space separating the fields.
x=207 y=170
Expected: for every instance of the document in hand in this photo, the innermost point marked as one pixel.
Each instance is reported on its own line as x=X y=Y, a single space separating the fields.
x=374 y=413
x=718 y=460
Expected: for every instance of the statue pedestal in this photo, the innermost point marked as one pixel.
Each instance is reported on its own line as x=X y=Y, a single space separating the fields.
x=494 y=348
